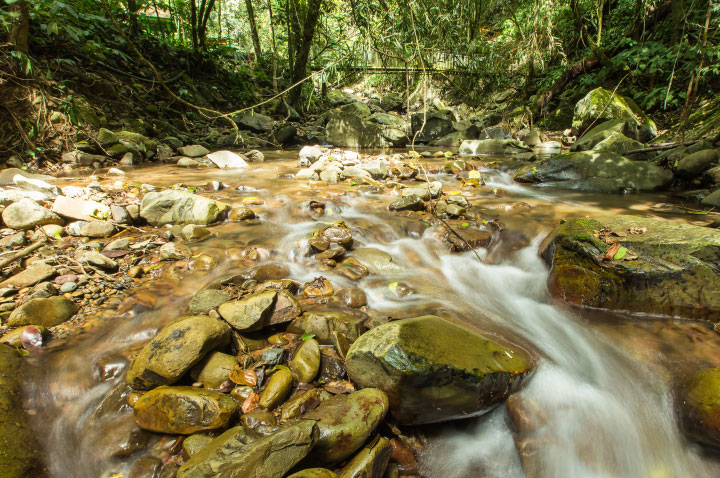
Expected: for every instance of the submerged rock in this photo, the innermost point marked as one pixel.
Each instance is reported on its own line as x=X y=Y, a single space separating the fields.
x=180 y=207
x=659 y=267
x=47 y=312
x=595 y=171
x=175 y=349
x=20 y=454
x=697 y=402
x=434 y=370
x=233 y=454
x=184 y=410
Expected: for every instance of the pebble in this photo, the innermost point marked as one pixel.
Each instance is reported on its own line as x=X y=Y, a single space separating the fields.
x=68 y=287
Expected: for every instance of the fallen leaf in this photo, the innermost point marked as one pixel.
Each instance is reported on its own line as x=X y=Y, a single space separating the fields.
x=612 y=250
x=620 y=253
x=339 y=387
x=243 y=377
x=250 y=402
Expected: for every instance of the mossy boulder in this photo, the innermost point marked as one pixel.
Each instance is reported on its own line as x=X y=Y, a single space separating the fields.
x=345 y=422
x=236 y=454
x=175 y=349
x=184 y=410
x=45 y=311
x=435 y=370
x=431 y=125
x=664 y=268
x=620 y=144
x=599 y=133
x=20 y=454
x=180 y=207
x=597 y=171
x=149 y=145
x=601 y=104
x=694 y=164
x=351 y=130
x=697 y=403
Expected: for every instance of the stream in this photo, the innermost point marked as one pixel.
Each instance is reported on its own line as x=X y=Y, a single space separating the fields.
x=599 y=403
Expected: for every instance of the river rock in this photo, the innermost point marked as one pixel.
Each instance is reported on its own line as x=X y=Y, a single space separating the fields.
x=36 y=185
x=435 y=370
x=20 y=454
x=34 y=274
x=411 y=202
x=241 y=213
x=257 y=123
x=10 y=196
x=196 y=442
x=425 y=192
x=90 y=229
x=595 y=171
x=175 y=349
x=80 y=209
x=306 y=362
x=345 y=422
x=120 y=215
x=695 y=163
x=249 y=313
x=27 y=214
x=601 y=104
x=370 y=462
x=172 y=251
x=193 y=151
x=14 y=338
x=348 y=129
x=227 y=160
x=620 y=144
x=186 y=162
x=277 y=388
x=180 y=207
x=697 y=403
x=214 y=369
x=599 y=133
x=207 y=299
x=48 y=312
x=657 y=256
x=433 y=124
x=99 y=260
x=492 y=146
x=322 y=323
x=183 y=410
x=234 y=454
x=8 y=175
x=314 y=473
x=195 y=233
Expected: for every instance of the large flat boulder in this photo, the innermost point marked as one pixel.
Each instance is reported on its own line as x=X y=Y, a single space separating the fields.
x=175 y=349
x=27 y=214
x=20 y=454
x=180 y=207
x=662 y=268
x=435 y=370
x=598 y=171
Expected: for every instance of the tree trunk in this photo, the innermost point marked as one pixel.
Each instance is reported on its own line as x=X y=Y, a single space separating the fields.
x=253 y=29
x=677 y=8
x=303 y=48
x=202 y=28
x=21 y=27
x=132 y=17
x=193 y=24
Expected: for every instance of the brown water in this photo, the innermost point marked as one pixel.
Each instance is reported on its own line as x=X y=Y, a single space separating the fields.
x=601 y=391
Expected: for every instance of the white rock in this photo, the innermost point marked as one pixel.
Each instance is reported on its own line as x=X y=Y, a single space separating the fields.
x=80 y=209
x=227 y=160
x=310 y=154
x=306 y=173
x=116 y=172
x=37 y=185
x=10 y=196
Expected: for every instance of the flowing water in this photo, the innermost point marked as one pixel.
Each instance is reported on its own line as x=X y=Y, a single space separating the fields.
x=598 y=405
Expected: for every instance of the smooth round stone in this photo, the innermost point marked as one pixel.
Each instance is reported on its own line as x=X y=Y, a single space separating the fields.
x=68 y=287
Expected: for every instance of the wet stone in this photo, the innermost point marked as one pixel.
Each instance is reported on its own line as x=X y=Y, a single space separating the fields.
x=207 y=299
x=183 y=410
x=47 y=312
x=306 y=361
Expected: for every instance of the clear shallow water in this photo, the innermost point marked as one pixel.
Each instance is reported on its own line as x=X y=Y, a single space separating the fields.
x=598 y=404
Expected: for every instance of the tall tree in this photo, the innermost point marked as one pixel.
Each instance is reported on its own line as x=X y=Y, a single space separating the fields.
x=253 y=29
x=303 y=43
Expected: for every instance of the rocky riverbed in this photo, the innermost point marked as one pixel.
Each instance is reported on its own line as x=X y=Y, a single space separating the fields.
x=324 y=312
